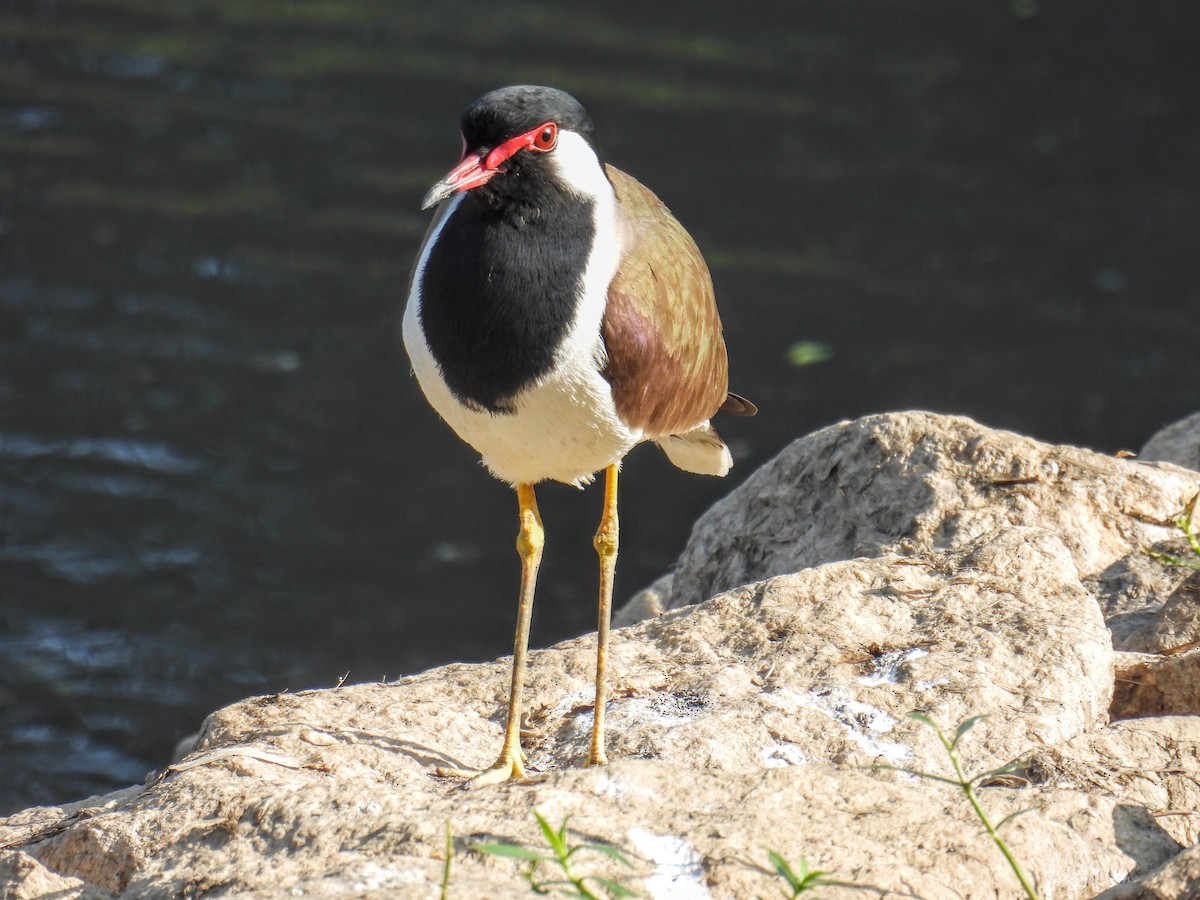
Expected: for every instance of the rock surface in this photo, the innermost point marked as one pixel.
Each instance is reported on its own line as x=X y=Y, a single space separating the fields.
x=896 y=563
x=1178 y=877
x=1178 y=443
x=911 y=482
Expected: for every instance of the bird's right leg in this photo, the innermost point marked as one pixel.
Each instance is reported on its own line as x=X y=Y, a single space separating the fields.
x=530 y=539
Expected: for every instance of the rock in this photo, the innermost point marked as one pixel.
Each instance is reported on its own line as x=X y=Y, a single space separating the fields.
x=826 y=663
x=1147 y=764
x=749 y=720
x=897 y=563
x=910 y=482
x=1178 y=443
x=23 y=878
x=1133 y=593
x=690 y=832
x=1152 y=685
x=646 y=603
x=1174 y=626
x=1177 y=878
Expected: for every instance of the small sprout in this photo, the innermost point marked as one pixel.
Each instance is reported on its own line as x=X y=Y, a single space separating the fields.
x=797 y=882
x=445 y=894
x=1184 y=523
x=968 y=786
x=561 y=854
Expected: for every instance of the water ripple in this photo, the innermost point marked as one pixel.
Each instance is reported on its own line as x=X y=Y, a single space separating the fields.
x=156 y=456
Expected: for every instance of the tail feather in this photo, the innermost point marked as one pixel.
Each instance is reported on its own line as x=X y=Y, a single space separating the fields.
x=700 y=450
x=737 y=405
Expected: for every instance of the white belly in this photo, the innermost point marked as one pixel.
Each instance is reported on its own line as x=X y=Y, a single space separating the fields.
x=565 y=427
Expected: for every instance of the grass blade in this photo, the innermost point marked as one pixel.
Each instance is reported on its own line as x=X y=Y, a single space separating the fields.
x=615 y=888
x=1011 y=816
x=610 y=852
x=556 y=839
x=782 y=866
x=963 y=727
x=512 y=851
x=445 y=893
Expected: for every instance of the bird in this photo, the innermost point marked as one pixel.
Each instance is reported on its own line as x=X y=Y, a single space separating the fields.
x=558 y=315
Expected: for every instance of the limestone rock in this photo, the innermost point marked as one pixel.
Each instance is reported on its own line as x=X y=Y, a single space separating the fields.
x=648 y=602
x=24 y=878
x=751 y=720
x=689 y=832
x=1147 y=764
x=910 y=482
x=1173 y=627
x=1175 y=879
x=1178 y=443
x=1152 y=685
x=1134 y=593
x=898 y=563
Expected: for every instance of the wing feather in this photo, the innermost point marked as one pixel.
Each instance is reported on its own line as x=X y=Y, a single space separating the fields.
x=666 y=355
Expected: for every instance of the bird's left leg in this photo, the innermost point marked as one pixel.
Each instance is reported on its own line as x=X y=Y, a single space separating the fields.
x=606 y=543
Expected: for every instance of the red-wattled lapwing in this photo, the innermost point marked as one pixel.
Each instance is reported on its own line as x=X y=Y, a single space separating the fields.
x=558 y=316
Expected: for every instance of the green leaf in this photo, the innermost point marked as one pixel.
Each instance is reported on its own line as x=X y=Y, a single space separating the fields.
x=613 y=887
x=610 y=852
x=559 y=886
x=783 y=867
x=1169 y=559
x=556 y=839
x=510 y=850
x=923 y=719
x=447 y=863
x=917 y=773
x=1185 y=524
x=1013 y=767
x=1011 y=816
x=965 y=726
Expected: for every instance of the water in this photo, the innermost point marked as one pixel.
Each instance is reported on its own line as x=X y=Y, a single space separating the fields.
x=216 y=476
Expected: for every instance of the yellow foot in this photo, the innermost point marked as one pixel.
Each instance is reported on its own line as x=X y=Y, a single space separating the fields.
x=596 y=759
x=509 y=767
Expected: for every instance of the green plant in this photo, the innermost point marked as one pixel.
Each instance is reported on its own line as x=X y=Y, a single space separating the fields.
x=797 y=882
x=1184 y=523
x=561 y=854
x=968 y=785
x=446 y=865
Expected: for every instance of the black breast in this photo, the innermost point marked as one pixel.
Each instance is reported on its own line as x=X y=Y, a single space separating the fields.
x=499 y=292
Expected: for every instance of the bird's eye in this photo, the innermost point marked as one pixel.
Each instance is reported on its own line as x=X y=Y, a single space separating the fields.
x=546 y=137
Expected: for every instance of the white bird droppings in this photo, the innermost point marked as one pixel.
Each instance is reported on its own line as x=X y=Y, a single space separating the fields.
x=886 y=669
x=861 y=722
x=780 y=755
x=678 y=869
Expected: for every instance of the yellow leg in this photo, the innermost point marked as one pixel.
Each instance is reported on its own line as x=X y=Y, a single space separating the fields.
x=531 y=537
x=606 y=542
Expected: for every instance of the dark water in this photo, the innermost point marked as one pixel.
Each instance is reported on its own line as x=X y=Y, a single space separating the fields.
x=216 y=477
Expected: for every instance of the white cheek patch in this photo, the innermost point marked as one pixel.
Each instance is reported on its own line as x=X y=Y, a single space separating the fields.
x=576 y=166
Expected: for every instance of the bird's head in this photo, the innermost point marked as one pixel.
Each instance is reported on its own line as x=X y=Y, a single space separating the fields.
x=518 y=138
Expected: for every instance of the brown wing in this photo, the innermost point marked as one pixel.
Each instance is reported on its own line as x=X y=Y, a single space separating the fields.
x=666 y=355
